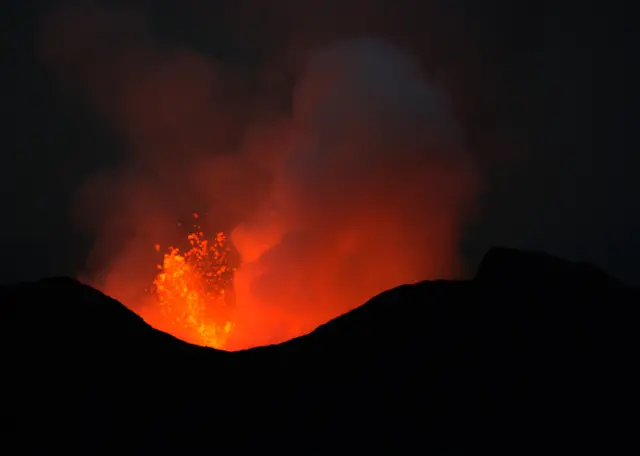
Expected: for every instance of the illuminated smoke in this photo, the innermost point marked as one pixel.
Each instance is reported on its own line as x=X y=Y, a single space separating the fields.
x=360 y=186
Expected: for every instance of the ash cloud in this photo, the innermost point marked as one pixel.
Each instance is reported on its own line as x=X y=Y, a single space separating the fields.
x=372 y=191
x=360 y=185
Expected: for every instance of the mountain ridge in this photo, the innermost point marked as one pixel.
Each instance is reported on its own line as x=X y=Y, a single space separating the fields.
x=534 y=353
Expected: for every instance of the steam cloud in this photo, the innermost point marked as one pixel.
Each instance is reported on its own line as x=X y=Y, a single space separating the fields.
x=360 y=185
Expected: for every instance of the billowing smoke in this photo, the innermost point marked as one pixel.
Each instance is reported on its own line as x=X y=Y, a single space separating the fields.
x=361 y=184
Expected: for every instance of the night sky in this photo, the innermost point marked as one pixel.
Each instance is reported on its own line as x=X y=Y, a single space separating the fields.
x=539 y=88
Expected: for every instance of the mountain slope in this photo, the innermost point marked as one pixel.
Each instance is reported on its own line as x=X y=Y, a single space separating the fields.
x=534 y=354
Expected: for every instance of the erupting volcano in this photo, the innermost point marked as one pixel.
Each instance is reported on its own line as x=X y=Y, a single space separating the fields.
x=316 y=192
x=193 y=291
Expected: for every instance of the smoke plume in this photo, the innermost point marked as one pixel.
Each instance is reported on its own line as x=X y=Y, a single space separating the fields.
x=359 y=184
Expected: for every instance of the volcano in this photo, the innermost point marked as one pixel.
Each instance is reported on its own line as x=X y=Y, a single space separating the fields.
x=534 y=355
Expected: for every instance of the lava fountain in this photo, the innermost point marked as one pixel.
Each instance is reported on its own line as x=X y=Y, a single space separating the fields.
x=192 y=294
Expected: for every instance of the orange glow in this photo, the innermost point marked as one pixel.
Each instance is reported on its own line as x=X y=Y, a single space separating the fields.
x=332 y=186
x=190 y=291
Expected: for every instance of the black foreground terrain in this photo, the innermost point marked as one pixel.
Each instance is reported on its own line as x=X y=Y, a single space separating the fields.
x=535 y=355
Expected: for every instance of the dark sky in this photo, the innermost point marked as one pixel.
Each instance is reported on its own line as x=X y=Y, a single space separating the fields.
x=539 y=88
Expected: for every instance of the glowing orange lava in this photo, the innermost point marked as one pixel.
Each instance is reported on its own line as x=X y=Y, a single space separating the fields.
x=194 y=290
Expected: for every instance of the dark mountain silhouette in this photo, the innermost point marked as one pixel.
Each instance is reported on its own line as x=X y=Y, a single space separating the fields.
x=535 y=355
